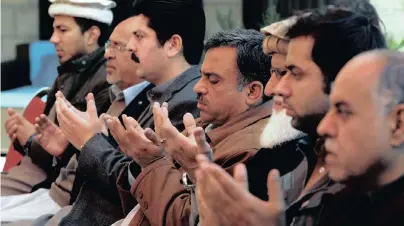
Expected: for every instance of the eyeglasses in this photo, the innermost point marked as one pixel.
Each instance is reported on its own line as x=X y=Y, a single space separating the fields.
x=109 y=46
x=278 y=72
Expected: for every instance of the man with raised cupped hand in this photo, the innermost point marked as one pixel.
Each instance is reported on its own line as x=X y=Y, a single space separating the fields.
x=167 y=52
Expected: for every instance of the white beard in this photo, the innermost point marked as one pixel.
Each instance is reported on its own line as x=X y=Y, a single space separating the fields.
x=279 y=130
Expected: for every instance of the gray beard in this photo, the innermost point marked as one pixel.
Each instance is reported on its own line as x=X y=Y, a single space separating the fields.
x=279 y=130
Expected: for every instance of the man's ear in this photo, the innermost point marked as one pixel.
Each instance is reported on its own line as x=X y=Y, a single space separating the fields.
x=255 y=92
x=173 y=46
x=92 y=35
x=397 y=125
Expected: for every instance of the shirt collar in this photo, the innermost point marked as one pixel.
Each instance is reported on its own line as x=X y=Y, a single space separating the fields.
x=115 y=93
x=164 y=91
x=128 y=94
x=131 y=92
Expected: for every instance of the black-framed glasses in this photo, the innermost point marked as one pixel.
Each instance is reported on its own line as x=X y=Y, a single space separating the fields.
x=279 y=73
x=109 y=46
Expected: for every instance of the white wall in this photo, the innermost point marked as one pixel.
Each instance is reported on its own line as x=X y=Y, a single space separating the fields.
x=19 y=24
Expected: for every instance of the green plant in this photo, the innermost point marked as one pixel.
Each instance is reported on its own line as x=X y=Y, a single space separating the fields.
x=394 y=44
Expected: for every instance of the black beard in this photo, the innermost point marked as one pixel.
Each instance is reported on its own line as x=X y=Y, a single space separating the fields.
x=308 y=123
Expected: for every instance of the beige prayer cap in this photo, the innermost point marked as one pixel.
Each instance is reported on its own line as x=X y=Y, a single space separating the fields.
x=276 y=40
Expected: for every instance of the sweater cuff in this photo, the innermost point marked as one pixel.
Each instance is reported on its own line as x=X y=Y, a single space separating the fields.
x=88 y=159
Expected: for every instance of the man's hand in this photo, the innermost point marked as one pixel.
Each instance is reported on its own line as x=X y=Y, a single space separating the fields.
x=50 y=136
x=141 y=145
x=103 y=120
x=18 y=127
x=77 y=126
x=183 y=147
x=230 y=200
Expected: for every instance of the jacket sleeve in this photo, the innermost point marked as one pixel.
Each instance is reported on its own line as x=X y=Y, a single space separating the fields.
x=100 y=162
x=162 y=196
x=45 y=160
x=40 y=157
x=123 y=185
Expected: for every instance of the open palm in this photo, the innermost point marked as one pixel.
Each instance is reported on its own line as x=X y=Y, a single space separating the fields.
x=50 y=136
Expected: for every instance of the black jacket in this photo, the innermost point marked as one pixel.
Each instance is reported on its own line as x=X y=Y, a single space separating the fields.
x=295 y=161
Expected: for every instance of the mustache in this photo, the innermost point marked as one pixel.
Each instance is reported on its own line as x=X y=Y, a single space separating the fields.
x=135 y=58
x=201 y=99
x=277 y=98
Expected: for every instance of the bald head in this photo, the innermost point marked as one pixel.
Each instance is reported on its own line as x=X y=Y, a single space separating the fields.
x=363 y=136
x=380 y=69
x=361 y=72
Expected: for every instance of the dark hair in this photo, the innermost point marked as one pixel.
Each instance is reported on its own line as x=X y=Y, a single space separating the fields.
x=185 y=18
x=86 y=24
x=362 y=7
x=339 y=35
x=253 y=64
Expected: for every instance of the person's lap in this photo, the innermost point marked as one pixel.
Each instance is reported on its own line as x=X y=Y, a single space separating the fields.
x=21 y=178
x=27 y=206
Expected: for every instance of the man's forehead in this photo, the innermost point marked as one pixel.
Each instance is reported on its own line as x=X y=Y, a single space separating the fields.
x=301 y=48
x=219 y=60
x=122 y=32
x=224 y=56
x=63 y=20
x=300 y=53
x=120 y=37
x=139 y=23
x=278 y=60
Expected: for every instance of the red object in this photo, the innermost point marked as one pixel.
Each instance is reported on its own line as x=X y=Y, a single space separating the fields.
x=34 y=109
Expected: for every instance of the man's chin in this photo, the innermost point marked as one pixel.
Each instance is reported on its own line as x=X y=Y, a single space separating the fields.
x=62 y=60
x=278 y=130
x=111 y=80
x=337 y=176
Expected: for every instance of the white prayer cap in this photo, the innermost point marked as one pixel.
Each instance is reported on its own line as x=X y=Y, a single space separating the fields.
x=98 y=10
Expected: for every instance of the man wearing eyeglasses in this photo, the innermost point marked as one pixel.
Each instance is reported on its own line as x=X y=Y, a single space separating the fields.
x=128 y=96
x=78 y=34
x=121 y=74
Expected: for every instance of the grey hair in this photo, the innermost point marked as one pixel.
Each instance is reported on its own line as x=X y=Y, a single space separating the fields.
x=252 y=63
x=392 y=78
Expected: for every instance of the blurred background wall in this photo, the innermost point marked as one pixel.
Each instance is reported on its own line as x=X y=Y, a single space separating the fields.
x=23 y=21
